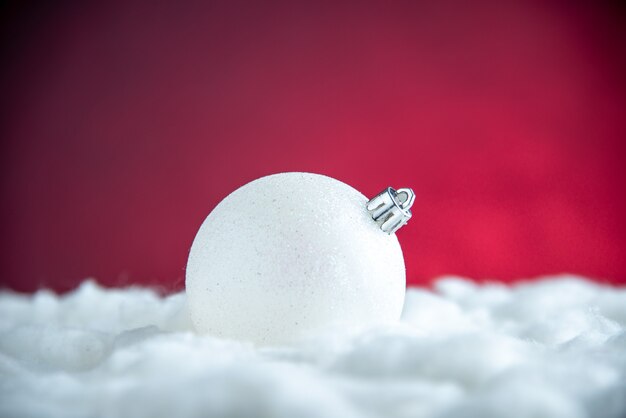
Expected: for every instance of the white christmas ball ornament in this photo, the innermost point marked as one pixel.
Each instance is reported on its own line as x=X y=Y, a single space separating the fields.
x=296 y=253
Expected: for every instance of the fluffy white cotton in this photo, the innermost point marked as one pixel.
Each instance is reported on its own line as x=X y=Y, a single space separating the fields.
x=552 y=348
x=289 y=254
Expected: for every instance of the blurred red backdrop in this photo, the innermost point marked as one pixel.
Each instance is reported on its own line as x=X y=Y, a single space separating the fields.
x=125 y=123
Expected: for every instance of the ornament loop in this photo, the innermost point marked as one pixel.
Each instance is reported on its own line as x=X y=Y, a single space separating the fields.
x=406 y=197
x=391 y=208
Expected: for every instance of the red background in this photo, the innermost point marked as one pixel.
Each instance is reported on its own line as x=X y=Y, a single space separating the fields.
x=125 y=123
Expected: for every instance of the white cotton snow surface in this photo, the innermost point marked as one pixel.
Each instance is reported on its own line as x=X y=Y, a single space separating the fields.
x=550 y=348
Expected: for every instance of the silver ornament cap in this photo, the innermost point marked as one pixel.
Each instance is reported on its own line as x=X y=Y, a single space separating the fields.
x=391 y=208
